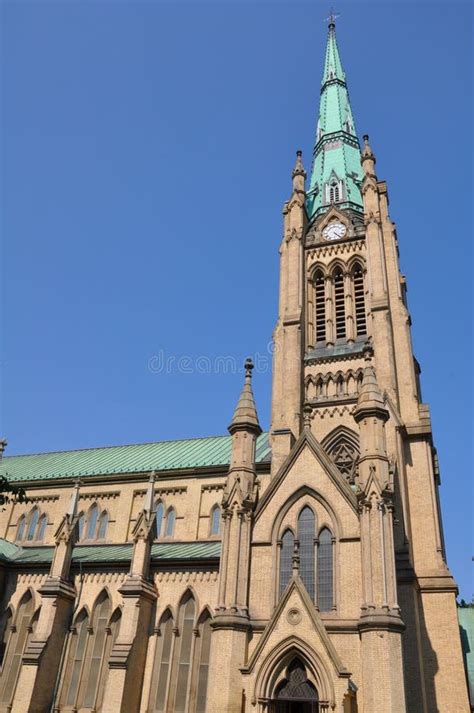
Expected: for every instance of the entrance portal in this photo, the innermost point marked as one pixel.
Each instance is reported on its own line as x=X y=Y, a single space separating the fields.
x=295 y=694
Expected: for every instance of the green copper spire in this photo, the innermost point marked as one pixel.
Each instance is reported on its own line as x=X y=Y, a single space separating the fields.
x=337 y=173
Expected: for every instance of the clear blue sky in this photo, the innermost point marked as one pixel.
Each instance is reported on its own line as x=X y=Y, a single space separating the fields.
x=146 y=155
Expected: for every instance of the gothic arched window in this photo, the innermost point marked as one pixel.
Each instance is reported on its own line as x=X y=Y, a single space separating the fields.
x=170 y=520
x=215 y=520
x=25 y=624
x=103 y=524
x=77 y=647
x=325 y=576
x=32 y=525
x=6 y=630
x=286 y=559
x=339 y=304
x=320 y=307
x=162 y=664
x=184 y=660
x=92 y=518
x=20 y=533
x=334 y=192
x=89 y=653
x=306 y=527
x=80 y=526
x=159 y=518
x=295 y=685
x=203 y=656
x=43 y=521
x=359 y=300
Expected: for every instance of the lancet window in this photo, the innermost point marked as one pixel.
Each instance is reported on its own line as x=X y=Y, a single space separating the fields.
x=181 y=662
x=93 y=524
x=31 y=527
x=314 y=557
x=90 y=644
x=215 y=520
x=165 y=520
x=16 y=643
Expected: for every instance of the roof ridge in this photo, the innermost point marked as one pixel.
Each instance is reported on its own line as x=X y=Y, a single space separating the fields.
x=120 y=445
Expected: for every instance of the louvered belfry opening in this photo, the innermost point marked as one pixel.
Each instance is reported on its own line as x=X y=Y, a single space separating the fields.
x=320 y=308
x=339 y=301
x=359 y=301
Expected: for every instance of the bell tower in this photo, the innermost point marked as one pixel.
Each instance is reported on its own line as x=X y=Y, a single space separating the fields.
x=343 y=358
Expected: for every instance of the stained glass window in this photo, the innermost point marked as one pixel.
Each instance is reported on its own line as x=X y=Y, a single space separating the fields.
x=325 y=571
x=103 y=524
x=159 y=518
x=286 y=559
x=92 y=522
x=41 y=527
x=21 y=528
x=185 y=654
x=33 y=524
x=170 y=520
x=162 y=666
x=215 y=520
x=306 y=548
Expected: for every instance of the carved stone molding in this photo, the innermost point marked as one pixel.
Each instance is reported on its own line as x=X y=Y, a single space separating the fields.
x=111 y=495
x=196 y=576
x=214 y=487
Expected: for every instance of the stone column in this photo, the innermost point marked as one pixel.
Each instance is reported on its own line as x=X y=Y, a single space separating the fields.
x=43 y=654
x=128 y=656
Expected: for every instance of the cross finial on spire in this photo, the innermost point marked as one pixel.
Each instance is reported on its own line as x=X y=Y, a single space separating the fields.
x=331 y=19
x=248 y=366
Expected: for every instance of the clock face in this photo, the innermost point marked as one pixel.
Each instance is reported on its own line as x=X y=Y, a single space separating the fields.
x=334 y=231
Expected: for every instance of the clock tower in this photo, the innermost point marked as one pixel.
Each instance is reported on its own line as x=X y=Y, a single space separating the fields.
x=345 y=380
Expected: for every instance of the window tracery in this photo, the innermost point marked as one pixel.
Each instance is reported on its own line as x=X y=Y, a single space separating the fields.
x=90 y=645
x=94 y=525
x=314 y=557
x=182 y=654
x=31 y=527
x=342 y=446
x=25 y=626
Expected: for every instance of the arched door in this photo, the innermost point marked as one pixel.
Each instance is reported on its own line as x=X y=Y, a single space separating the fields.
x=295 y=694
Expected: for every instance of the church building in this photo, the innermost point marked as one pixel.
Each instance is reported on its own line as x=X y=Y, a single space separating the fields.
x=299 y=570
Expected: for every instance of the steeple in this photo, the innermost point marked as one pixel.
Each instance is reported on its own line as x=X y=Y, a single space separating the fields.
x=245 y=414
x=336 y=174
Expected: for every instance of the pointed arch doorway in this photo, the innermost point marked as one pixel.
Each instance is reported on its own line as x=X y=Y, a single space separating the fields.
x=295 y=694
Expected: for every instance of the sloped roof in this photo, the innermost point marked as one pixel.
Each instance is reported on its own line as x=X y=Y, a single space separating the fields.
x=96 y=554
x=162 y=455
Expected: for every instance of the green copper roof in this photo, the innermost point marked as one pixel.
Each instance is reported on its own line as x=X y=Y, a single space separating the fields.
x=164 y=455
x=96 y=554
x=336 y=154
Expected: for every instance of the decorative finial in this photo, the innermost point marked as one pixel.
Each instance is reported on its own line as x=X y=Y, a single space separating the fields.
x=331 y=19
x=74 y=502
x=248 y=366
x=307 y=411
x=150 y=493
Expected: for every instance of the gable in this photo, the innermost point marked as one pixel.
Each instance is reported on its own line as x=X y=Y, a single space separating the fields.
x=295 y=629
x=307 y=470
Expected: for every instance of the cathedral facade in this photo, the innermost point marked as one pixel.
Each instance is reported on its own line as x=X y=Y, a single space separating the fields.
x=301 y=570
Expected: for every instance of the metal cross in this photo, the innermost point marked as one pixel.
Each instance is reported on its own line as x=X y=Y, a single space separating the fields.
x=331 y=20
